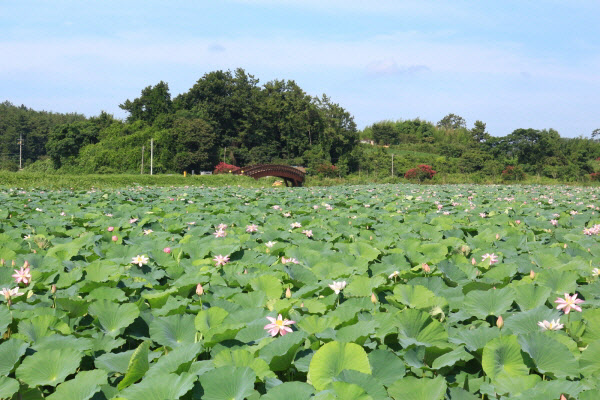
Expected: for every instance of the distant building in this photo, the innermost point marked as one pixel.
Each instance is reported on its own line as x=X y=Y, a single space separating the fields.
x=366 y=141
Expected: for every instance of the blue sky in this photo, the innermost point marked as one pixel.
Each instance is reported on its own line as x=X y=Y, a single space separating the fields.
x=511 y=64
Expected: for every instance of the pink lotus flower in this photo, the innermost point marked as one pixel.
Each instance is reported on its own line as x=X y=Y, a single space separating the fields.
x=482 y=215
x=8 y=293
x=22 y=275
x=110 y=228
x=279 y=325
x=569 y=302
x=251 y=228
x=554 y=222
x=296 y=225
x=222 y=227
x=287 y=260
x=220 y=233
x=167 y=250
x=115 y=238
x=492 y=257
x=308 y=232
x=133 y=220
x=221 y=260
x=426 y=268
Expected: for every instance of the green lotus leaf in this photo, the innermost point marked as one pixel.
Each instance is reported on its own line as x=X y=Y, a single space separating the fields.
x=475 y=339
x=417 y=296
x=207 y=319
x=529 y=296
x=451 y=358
x=268 y=284
x=349 y=391
x=386 y=367
x=290 y=391
x=114 y=317
x=83 y=387
x=557 y=281
x=481 y=303
x=589 y=362
x=550 y=356
x=243 y=358
x=59 y=342
x=411 y=388
x=368 y=383
x=280 y=353
x=5 y=319
x=334 y=357
x=11 y=351
x=177 y=360
x=173 y=331
x=228 y=383
x=160 y=387
x=527 y=321
x=363 y=286
x=502 y=356
x=48 y=367
x=8 y=387
x=592 y=325
x=138 y=365
x=418 y=328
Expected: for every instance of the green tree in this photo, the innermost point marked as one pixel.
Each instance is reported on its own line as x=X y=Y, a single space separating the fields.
x=478 y=132
x=154 y=101
x=452 y=121
x=66 y=140
x=385 y=133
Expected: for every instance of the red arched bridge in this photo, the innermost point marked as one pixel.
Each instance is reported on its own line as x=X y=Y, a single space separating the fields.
x=291 y=175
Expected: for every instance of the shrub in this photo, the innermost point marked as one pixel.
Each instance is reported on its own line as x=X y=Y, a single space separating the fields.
x=420 y=173
x=511 y=173
x=595 y=176
x=224 y=168
x=326 y=169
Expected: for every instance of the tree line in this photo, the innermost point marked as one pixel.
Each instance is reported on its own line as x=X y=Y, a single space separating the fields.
x=229 y=116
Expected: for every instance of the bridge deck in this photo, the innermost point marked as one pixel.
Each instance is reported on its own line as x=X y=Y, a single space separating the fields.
x=290 y=175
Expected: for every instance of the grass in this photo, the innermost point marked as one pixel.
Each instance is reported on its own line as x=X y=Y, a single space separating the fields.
x=28 y=180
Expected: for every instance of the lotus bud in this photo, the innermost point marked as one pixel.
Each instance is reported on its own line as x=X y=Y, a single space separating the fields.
x=245 y=271
x=500 y=322
x=301 y=304
x=2 y=262
x=426 y=268
x=13 y=263
x=531 y=274
x=115 y=238
x=26 y=264
x=562 y=397
x=473 y=262
x=167 y=250
x=497 y=236
x=199 y=290
x=288 y=293
x=111 y=228
x=53 y=289
x=565 y=246
x=373 y=298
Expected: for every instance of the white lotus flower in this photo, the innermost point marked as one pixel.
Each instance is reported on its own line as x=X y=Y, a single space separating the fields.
x=337 y=287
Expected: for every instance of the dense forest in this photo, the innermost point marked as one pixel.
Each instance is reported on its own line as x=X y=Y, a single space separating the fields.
x=228 y=116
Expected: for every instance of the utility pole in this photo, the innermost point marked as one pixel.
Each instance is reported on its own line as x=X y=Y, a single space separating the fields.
x=20 y=151
x=151 y=154
x=392 y=165
x=142 y=171
x=224 y=152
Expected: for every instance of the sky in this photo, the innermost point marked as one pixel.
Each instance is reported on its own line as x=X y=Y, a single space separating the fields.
x=511 y=64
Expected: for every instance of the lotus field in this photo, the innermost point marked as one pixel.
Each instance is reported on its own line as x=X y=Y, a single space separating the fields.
x=364 y=292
